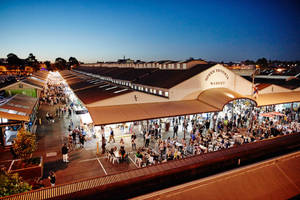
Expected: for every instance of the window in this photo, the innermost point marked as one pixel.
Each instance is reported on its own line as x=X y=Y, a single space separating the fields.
x=150 y=90
x=166 y=94
x=146 y=89
x=178 y=66
x=160 y=92
x=154 y=91
x=184 y=66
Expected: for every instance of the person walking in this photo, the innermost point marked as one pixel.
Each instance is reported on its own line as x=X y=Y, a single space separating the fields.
x=133 y=144
x=103 y=144
x=64 y=151
x=81 y=139
x=111 y=137
x=52 y=178
x=148 y=136
x=175 y=130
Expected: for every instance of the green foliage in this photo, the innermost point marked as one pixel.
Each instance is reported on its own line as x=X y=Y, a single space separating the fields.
x=12 y=184
x=263 y=62
x=35 y=161
x=25 y=144
x=60 y=63
x=32 y=61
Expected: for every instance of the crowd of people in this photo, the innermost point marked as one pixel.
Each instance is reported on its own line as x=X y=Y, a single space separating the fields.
x=198 y=135
x=10 y=78
x=212 y=134
x=54 y=94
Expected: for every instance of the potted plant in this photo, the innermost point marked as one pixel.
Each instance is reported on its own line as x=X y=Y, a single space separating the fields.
x=12 y=184
x=24 y=145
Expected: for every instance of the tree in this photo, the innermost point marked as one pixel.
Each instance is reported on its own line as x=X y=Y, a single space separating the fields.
x=48 y=65
x=33 y=62
x=249 y=62
x=60 y=63
x=12 y=184
x=14 y=61
x=73 y=61
x=24 y=144
x=262 y=62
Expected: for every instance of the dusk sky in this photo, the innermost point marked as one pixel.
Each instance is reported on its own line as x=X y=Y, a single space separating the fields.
x=150 y=30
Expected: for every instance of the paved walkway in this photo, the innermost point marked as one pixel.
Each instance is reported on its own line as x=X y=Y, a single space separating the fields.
x=84 y=162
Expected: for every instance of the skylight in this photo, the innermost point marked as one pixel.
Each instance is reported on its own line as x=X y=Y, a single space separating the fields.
x=111 y=88
x=12 y=111
x=102 y=86
x=18 y=105
x=118 y=91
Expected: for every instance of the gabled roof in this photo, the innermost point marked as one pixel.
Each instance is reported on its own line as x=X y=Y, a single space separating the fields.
x=7 y=83
x=34 y=83
x=289 y=84
x=27 y=81
x=150 y=77
x=19 y=107
x=128 y=74
x=43 y=75
x=170 y=78
x=84 y=84
x=100 y=92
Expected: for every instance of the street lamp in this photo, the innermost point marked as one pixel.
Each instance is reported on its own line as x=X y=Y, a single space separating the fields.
x=253 y=77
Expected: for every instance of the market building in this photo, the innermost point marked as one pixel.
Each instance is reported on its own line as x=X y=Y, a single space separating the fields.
x=116 y=94
x=30 y=86
x=19 y=105
x=19 y=110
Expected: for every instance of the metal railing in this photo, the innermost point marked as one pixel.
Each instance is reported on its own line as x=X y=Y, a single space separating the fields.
x=204 y=162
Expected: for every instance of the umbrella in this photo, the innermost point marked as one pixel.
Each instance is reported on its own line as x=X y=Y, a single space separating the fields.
x=266 y=115
x=277 y=114
x=271 y=114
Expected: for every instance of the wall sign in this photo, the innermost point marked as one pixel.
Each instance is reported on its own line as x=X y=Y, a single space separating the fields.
x=217 y=71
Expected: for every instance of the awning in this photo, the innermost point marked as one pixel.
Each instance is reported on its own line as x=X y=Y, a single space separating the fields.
x=19 y=107
x=14 y=116
x=219 y=97
x=277 y=98
x=135 y=112
x=211 y=100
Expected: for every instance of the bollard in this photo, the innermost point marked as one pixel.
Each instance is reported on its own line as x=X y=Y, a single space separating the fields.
x=97 y=148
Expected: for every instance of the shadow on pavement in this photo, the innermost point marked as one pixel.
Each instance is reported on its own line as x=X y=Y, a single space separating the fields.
x=54 y=166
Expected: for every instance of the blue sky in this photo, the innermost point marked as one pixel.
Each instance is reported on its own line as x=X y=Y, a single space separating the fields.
x=150 y=30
